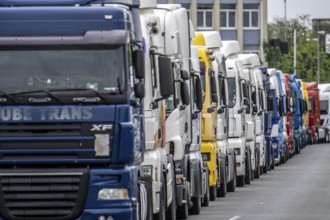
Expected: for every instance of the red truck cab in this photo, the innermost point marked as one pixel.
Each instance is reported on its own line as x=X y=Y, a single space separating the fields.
x=314 y=110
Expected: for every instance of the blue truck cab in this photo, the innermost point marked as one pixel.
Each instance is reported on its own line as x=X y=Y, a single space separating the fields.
x=71 y=117
x=274 y=95
x=297 y=113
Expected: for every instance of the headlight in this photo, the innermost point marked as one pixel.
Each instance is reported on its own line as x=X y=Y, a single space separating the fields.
x=237 y=151
x=102 y=145
x=112 y=194
x=274 y=146
x=206 y=156
x=137 y=138
x=147 y=170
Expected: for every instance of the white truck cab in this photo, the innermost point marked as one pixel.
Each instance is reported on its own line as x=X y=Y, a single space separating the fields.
x=324 y=90
x=237 y=104
x=156 y=163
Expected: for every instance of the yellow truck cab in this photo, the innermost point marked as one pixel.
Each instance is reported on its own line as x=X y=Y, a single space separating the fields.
x=209 y=149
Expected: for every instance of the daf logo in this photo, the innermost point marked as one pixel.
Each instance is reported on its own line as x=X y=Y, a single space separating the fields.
x=101 y=127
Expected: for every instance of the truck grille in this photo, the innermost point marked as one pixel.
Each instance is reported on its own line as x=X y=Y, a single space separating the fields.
x=52 y=141
x=45 y=194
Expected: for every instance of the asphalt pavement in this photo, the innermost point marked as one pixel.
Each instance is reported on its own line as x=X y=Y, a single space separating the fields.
x=297 y=190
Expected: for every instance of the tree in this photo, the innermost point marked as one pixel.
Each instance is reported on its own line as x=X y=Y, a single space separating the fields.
x=307 y=49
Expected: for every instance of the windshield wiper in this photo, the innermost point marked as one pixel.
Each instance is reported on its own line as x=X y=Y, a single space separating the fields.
x=8 y=97
x=84 y=99
x=40 y=91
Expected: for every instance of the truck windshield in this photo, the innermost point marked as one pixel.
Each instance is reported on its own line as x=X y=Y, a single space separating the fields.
x=324 y=107
x=95 y=68
x=231 y=92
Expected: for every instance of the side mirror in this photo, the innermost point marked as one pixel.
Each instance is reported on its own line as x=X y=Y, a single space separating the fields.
x=184 y=75
x=214 y=96
x=246 y=102
x=185 y=96
x=165 y=76
x=139 y=90
x=213 y=85
x=280 y=108
x=270 y=103
x=254 y=97
x=255 y=109
x=138 y=63
x=245 y=90
x=199 y=94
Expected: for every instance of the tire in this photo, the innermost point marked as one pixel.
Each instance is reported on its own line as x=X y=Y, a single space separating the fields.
x=148 y=185
x=241 y=181
x=231 y=186
x=213 y=193
x=206 y=198
x=171 y=210
x=197 y=205
x=222 y=191
x=257 y=171
x=195 y=209
x=161 y=215
x=248 y=168
x=297 y=148
x=272 y=165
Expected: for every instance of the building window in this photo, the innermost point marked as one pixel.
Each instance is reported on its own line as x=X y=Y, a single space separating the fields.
x=205 y=19
x=227 y=19
x=251 y=19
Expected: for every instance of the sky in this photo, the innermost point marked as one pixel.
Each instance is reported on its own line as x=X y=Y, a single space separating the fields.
x=315 y=8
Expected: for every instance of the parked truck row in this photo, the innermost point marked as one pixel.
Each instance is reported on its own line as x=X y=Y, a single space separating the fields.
x=119 y=109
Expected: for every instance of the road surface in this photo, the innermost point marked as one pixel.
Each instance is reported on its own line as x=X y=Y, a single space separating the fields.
x=297 y=190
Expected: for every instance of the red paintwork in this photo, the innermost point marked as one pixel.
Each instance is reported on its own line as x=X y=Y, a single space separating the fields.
x=314 y=114
x=289 y=115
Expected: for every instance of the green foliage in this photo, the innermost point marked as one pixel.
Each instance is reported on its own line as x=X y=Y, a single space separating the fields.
x=307 y=49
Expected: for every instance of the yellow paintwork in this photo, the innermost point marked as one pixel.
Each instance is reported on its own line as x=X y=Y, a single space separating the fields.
x=213 y=150
x=209 y=120
x=306 y=115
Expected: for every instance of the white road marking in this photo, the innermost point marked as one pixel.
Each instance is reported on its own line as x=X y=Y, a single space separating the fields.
x=235 y=217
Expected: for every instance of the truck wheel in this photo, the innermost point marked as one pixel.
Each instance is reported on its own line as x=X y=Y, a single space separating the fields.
x=195 y=209
x=161 y=215
x=213 y=193
x=206 y=197
x=297 y=147
x=171 y=210
x=248 y=168
x=232 y=184
x=183 y=211
x=257 y=171
x=147 y=181
x=241 y=181
x=222 y=191
x=272 y=165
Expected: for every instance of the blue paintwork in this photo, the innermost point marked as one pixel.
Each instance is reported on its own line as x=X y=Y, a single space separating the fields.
x=120 y=169
x=297 y=113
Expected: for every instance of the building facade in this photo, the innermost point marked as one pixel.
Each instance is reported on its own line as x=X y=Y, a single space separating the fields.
x=242 y=20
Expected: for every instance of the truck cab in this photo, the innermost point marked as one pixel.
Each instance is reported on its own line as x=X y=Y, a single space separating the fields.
x=280 y=155
x=324 y=90
x=212 y=41
x=210 y=150
x=314 y=112
x=289 y=120
x=297 y=113
x=238 y=102
x=274 y=101
x=157 y=166
x=251 y=66
x=72 y=109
